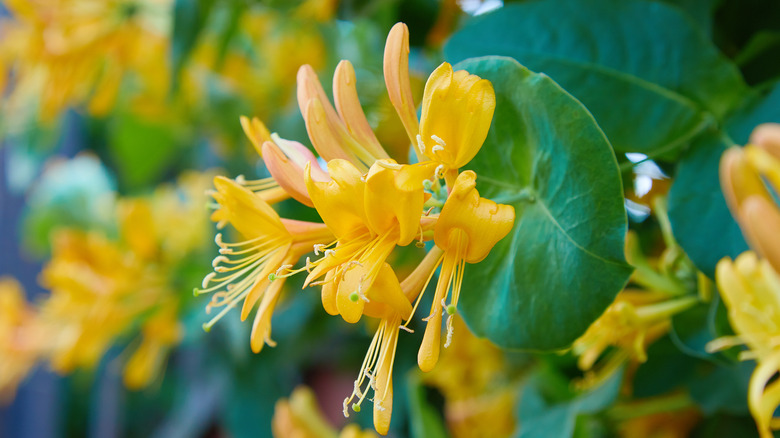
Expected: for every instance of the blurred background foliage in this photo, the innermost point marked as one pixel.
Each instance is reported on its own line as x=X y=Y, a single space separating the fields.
x=115 y=114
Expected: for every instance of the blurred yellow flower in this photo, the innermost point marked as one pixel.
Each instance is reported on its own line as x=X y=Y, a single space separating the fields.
x=745 y=175
x=103 y=288
x=634 y=320
x=20 y=337
x=300 y=417
x=71 y=52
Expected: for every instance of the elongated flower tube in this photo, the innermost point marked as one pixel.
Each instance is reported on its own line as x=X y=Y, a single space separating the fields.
x=467 y=229
x=337 y=135
x=252 y=269
x=751 y=291
x=366 y=225
x=744 y=174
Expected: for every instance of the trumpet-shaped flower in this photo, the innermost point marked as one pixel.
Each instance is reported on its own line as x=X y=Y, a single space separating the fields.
x=467 y=229
x=744 y=174
x=751 y=291
x=252 y=269
x=367 y=228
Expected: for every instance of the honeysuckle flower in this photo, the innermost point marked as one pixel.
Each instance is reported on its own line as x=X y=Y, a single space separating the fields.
x=96 y=290
x=369 y=204
x=20 y=337
x=744 y=173
x=300 y=417
x=467 y=229
x=750 y=289
x=68 y=52
x=105 y=288
x=159 y=333
x=634 y=320
x=367 y=228
x=255 y=267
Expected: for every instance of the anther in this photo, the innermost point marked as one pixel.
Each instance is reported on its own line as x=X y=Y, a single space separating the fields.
x=219 y=259
x=420 y=144
x=218 y=240
x=318 y=247
x=283 y=268
x=436 y=148
x=210 y=276
x=346 y=410
x=330 y=252
x=405 y=328
x=241 y=180
x=438 y=140
x=221 y=269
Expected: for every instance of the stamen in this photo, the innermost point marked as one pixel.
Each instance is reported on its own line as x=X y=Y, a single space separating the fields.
x=241 y=180
x=219 y=259
x=438 y=140
x=450 y=330
x=420 y=144
x=319 y=247
x=388 y=165
x=436 y=148
x=405 y=328
x=439 y=172
x=209 y=277
x=218 y=240
x=330 y=252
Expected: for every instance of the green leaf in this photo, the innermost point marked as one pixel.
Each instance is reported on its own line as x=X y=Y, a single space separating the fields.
x=697 y=208
x=540 y=418
x=645 y=71
x=563 y=262
x=142 y=150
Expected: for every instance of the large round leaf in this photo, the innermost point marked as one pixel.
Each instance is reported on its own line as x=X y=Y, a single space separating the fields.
x=644 y=70
x=563 y=262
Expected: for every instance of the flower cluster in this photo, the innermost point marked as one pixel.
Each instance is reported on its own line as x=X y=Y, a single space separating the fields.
x=749 y=285
x=106 y=288
x=370 y=204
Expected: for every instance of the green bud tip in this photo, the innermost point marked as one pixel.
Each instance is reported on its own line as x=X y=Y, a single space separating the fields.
x=354 y=297
x=271 y=277
x=451 y=309
x=355 y=407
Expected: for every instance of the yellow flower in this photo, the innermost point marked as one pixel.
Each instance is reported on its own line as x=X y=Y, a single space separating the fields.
x=367 y=228
x=634 y=320
x=457 y=109
x=751 y=291
x=251 y=269
x=467 y=229
x=744 y=173
x=69 y=52
x=300 y=417
x=370 y=204
x=96 y=291
x=20 y=340
x=160 y=332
